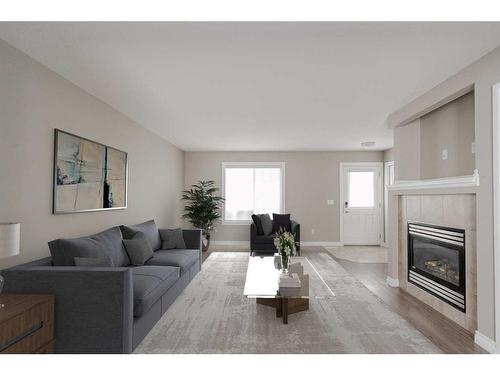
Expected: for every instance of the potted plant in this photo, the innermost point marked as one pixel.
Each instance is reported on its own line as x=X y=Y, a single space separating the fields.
x=285 y=244
x=202 y=208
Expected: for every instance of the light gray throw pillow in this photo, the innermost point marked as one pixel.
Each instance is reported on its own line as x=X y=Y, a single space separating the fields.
x=267 y=224
x=138 y=249
x=103 y=261
x=172 y=239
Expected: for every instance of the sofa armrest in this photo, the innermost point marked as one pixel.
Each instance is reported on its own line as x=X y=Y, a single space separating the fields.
x=93 y=306
x=193 y=239
x=253 y=232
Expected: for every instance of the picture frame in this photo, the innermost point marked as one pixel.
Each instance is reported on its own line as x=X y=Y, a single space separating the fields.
x=88 y=176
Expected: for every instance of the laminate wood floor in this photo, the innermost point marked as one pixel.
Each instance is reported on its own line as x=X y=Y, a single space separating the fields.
x=444 y=333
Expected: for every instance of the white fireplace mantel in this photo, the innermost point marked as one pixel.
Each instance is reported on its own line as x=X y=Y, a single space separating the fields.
x=458 y=182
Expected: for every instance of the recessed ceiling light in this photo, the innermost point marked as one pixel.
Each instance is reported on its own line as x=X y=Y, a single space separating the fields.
x=368 y=144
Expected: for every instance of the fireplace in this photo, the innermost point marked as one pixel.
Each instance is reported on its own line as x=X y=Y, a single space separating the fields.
x=436 y=262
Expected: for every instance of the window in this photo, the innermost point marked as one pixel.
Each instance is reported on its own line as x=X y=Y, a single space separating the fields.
x=252 y=188
x=361 y=189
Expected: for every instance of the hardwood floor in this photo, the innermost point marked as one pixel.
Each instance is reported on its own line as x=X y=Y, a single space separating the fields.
x=445 y=334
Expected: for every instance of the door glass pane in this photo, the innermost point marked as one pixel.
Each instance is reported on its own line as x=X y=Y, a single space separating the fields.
x=238 y=193
x=361 y=189
x=267 y=190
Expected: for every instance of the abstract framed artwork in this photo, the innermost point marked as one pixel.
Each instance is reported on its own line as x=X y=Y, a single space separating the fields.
x=88 y=176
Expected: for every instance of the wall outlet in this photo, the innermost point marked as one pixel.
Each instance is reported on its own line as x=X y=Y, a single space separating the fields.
x=313 y=231
x=330 y=202
x=444 y=154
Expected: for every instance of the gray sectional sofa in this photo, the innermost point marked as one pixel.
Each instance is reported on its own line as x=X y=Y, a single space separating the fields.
x=108 y=309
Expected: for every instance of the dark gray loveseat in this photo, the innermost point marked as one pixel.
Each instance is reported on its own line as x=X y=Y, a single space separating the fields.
x=110 y=309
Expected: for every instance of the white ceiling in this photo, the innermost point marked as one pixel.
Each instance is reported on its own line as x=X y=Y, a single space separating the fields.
x=257 y=86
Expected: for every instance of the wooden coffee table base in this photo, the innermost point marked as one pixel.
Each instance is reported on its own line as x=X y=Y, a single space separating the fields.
x=285 y=306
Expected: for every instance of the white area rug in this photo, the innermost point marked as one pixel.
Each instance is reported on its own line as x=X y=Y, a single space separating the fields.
x=213 y=316
x=360 y=254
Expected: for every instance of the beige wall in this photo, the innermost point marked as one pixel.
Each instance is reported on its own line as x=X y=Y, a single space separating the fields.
x=389 y=154
x=450 y=127
x=34 y=101
x=312 y=178
x=418 y=145
x=482 y=75
x=407 y=151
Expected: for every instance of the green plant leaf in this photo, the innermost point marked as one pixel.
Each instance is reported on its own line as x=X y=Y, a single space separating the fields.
x=202 y=207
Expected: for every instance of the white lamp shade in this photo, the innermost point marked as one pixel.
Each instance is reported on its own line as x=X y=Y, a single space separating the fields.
x=10 y=235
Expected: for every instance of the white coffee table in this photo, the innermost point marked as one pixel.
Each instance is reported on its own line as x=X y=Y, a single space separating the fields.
x=262 y=284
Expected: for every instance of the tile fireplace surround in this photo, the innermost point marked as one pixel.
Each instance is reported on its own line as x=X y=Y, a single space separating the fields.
x=457 y=210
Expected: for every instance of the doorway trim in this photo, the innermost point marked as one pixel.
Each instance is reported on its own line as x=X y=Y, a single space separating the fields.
x=496 y=208
x=387 y=165
x=380 y=166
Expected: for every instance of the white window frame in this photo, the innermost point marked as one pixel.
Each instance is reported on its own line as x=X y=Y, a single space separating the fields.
x=250 y=164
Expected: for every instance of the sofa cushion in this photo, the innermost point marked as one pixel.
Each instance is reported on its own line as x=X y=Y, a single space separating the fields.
x=265 y=239
x=109 y=242
x=258 y=224
x=138 y=249
x=148 y=228
x=183 y=259
x=101 y=261
x=150 y=284
x=172 y=239
x=267 y=224
x=281 y=222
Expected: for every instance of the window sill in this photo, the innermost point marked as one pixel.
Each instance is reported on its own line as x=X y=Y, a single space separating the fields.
x=236 y=222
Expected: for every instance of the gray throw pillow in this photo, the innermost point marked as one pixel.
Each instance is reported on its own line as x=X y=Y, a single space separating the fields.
x=258 y=224
x=148 y=228
x=172 y=239
x=103 y=261
x=138 y=249
x=107 y=243
x=281 y=222
x=267 y=224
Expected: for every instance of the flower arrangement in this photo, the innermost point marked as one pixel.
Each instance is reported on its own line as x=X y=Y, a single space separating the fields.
x=285 y=244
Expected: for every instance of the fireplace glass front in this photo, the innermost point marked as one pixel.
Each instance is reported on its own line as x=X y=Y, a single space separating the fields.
x=436 y=261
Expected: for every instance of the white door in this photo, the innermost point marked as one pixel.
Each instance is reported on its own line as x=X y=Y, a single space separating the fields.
x=361 y=203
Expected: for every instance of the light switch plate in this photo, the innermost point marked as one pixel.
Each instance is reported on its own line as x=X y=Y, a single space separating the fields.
x=444 y=154
x=473 y=147
x=330 y=202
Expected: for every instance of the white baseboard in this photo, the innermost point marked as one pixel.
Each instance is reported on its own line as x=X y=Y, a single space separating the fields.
x=302 y=243
x=392 y=282
x=231 y=243
x=320 y=243
x=485 y=342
